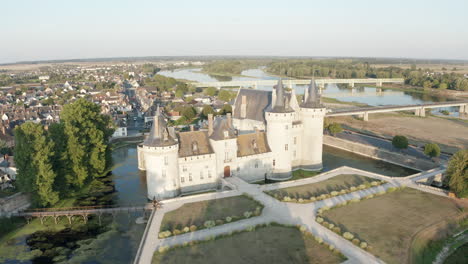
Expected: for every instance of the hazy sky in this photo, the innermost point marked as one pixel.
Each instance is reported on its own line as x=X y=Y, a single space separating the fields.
x=66 y=29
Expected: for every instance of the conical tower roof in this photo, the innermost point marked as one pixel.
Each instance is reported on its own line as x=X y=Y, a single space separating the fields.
x=313 y=97
x=280 y=104
x=159 y=135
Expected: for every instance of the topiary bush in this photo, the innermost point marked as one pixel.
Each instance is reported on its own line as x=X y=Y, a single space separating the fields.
x=247 y=214
x=400 y=142
x=363 y=245
x=193 y=228
x=432 y=150
x=228 y=219
x=186 y=229
x=319 y=220
x=356 y=241
x=348 y=235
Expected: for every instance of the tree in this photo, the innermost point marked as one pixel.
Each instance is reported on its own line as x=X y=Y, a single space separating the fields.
x=87 y=132
x=224 y=95
x=60 y=161
x=227 y=108
x=34 y=153
x=432 y=150
x=210 y=91
x=179 y=93
x=400 y=142
x=206 y=111
x=335 y=128
x=457 y=173
x=189 y=112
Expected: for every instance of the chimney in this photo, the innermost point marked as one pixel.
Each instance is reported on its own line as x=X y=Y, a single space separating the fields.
x=210 y=124
x=243 y=110
x=192 y=128
x=229 y=119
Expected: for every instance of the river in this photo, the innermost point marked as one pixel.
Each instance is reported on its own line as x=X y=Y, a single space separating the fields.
x=360 y=94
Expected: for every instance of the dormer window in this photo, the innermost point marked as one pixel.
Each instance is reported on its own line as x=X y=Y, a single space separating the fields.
x=226 y=134
x=194 y=147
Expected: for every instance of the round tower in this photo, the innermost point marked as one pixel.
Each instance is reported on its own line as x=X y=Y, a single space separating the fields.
x=158 y=155
x=312 y=113
x=279 y=120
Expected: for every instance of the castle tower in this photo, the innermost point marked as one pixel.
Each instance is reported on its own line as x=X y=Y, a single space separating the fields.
x=160 y=152
x=312 y=113
x=279 y=118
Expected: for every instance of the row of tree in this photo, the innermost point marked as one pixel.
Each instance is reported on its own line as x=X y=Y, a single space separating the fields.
x=56 y=162
x=353 y=68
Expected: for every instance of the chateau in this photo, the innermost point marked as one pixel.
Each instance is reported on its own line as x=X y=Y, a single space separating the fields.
x=269 y=135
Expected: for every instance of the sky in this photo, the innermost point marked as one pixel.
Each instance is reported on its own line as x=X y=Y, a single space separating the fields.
x=73 y=29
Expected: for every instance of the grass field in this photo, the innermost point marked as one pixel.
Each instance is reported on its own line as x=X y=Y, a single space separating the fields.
x=390 y=222
x=199 y=212
x=324 y=187
x=271 y=244
x=460 y=256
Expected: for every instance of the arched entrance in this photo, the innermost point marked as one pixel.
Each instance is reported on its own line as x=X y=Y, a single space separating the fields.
x=227 y=171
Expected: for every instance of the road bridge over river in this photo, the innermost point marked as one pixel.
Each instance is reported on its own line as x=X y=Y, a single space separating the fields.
x=289 y=83
x=419 y=109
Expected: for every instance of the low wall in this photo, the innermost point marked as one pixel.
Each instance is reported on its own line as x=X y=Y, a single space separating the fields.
x=400 y=159
x=13 y=203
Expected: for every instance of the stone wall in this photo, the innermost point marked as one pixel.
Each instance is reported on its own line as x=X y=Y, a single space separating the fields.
x=13 y=203
x=381 y=154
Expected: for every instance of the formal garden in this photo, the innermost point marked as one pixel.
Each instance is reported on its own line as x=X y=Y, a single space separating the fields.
x=386 y=223
x=205 y=214
x=271 y=243
x=337 y=185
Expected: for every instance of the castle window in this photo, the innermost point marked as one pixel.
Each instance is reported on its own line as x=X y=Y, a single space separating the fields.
x=209 y=174
x=184 y=168
x=226 y=134
x=166 y=160
x=182 y=179
x=294 y=154
x=164 y=173
x=201 y=175
x=274 y=163
x=190 y=177
x=286 y=147
x=295 y=140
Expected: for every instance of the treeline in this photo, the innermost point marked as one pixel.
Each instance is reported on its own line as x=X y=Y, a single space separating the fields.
x=56 y=162
x=353 y=68
x=231 y=66
x=164 y=83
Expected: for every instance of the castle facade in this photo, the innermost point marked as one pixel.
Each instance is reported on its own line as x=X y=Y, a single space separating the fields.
x=269 y=135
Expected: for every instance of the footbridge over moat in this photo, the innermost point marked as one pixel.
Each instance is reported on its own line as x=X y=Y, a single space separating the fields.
x=289 y=83
x=84 y=212
x=419 y=109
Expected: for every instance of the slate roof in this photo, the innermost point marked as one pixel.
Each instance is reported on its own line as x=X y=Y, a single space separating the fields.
x=159 y=135
x=193 y=143
x=252 y=144
x=220 y=125
x=257 y=102
x=313 y=97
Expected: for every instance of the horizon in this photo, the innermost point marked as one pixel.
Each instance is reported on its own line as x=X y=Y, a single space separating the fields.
x=54 y=30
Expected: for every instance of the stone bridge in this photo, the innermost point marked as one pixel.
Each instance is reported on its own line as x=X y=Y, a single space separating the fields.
x=289 y=83
x=419 y=109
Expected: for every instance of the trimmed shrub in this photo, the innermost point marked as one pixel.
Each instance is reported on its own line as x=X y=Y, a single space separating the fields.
x=286 y=199
x=228 y=219
x=355 y=200
x=209 y=224
x=323 y=197
x=303 y=229
x=176 y=232
x=193 y=228
x=318 y=239
x=353 y=189
x=250 y=228
x=320 y=211
x=348 y=235
x=300 y=200
x=375 y=183
x=337 y=229
x=331 y=226
x=219 y=222
x=325 y=223
x=247 y=214
x=356 y=241
x=432 y=150
x=344 y=191
x=319 y=220
x=392 y=189
x=400 y=142
x=186 y=229
x=326 y=208
x=163 y=249
x=331 y=247
x=334 y=193
x=363 y=245
x=313 y=199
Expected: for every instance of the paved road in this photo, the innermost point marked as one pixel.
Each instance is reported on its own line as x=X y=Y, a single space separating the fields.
x=274 y=210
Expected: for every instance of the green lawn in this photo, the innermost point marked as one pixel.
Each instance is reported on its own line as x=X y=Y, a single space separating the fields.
x=271 y=244
x=336 y=183
x=199 y=212
x=460 y=256
x=388 y=223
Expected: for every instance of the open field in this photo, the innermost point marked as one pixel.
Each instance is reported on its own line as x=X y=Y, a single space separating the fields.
x=450 y=134
x=271 y=244
x=336 y=183
x=199 y=212
x=391 y=221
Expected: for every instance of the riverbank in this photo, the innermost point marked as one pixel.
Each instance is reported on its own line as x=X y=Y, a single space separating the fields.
x=453 y=94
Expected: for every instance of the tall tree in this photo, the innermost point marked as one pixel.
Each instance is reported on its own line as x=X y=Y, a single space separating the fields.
x=88 y=132
x=33 y=156
x=60 y=161
x=457 y=173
